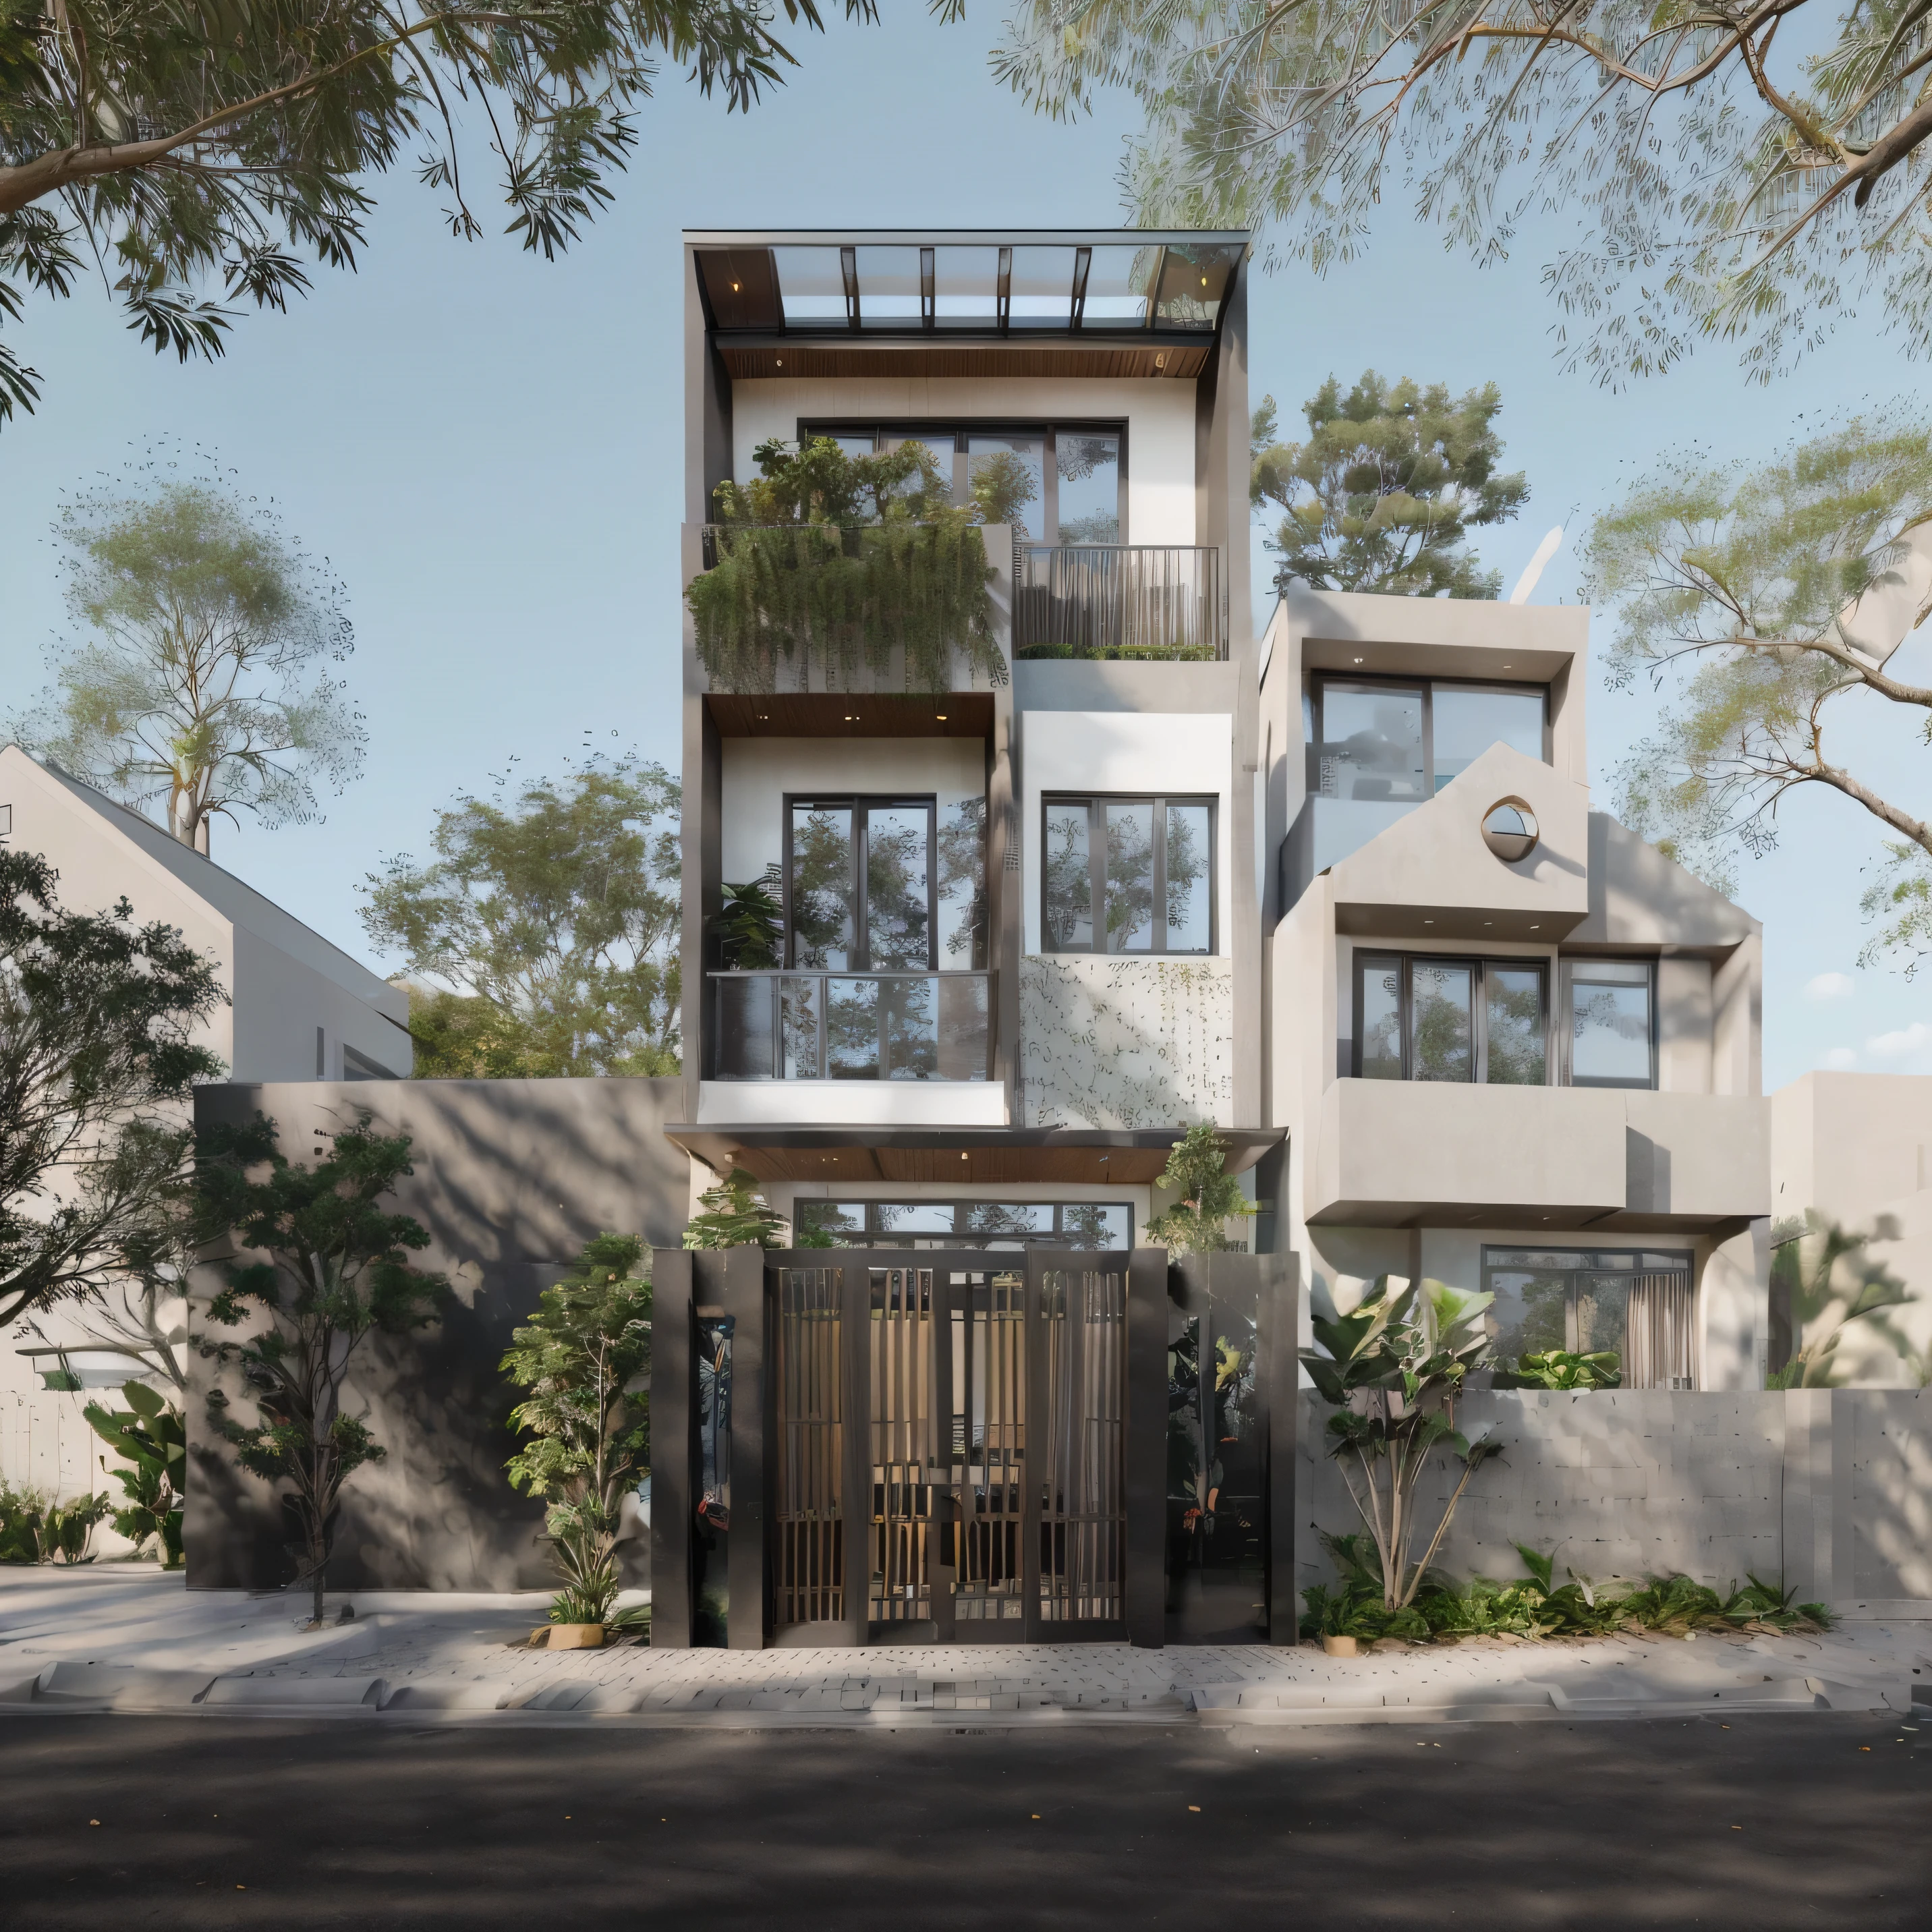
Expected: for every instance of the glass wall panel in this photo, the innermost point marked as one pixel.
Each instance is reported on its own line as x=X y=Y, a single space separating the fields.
x=1528 y=1317
x=962 y=885
x=963 y=1028
x=1443 y=1044
x=1602 y=1303
x=1089 y=476
x=908 y=1010
x=1093 y=1225
x=1609 y=1022
x=1193 y=284
x=898 y=883
x=1006 y=1217
x=1467 y=723
x=1190 y=893
x=1067 y=900
x=1042 y=289
x=852 y=1029
x=1513 y=1010
x=1119 y=283
x=916 y=1217
x=831 y=1217
x=798 y=1031
x=811 y=286
x=889 y=288
x=1006 y=476
x=1371 y=746
x=966 y=287
x=744 y=1029
x=824 y=911
x=1381 y=1043
x=1129 y=911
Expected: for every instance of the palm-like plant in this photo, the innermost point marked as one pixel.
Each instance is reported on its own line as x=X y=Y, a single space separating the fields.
x=1392 y=1366
x=1822 y=1282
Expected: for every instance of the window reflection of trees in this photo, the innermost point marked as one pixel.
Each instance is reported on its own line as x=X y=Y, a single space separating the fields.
x=1069 y=896
x=1129 y=878
x=822 y=866
x=897 y=882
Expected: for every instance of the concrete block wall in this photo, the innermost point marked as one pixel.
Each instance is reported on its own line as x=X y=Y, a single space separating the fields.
x=1830 y=1490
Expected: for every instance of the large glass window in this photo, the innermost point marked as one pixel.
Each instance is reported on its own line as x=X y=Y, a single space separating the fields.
x=1419 y=1019
x=1608 y=1023
x=1127 y=875
x=1087 y=469
x=1630 y=1302
x=1388 y=742
x=970 y=1224
x=860 y=879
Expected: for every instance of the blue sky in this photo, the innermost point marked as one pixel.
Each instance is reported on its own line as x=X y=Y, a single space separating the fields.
x=486 y=447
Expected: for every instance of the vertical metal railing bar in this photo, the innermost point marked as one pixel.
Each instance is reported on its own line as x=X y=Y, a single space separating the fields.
x=1145 y=598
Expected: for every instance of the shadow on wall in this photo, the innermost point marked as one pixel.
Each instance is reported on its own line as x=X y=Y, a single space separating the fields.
x=512 y=1178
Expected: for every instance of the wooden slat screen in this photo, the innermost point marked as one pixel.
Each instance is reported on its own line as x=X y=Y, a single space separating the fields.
x=809 y=1580
x=1083 y=1498
x=989 y=1430
x=903 y=1446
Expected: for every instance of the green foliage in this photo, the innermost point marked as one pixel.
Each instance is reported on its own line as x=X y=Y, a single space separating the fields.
x=750 y=925
x=186 y=146
x=1822 y=1281
x=1899 y=902
x=837 y=560
x=150 y=1433
x=97 y=1020
x=33 y=1529
x=1381 y=495
x=22 y=1512
x=1741 y=591
x=735 y=1215
x=554 y=920
x=583 y=1359
x=1536 y=1606
x=194 y=679
x=1211 y=1197
x=332 y=1269
x=1706 y=184
x=1561 y=1369
x=1390 y=1368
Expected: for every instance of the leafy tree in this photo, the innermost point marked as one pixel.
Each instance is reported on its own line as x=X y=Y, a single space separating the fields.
x=1746 y=173
x=735 y=1215
x=1762 y=599
x=1381 y=496
x=333 y=1268
x=1210 y=1196
x=554 y=923
x=1822 y=1281
x=96 y=1061
x=584 y=1358
x=1391 y=1368
x=194 y=676
x=150 y=1434
x=189 y=146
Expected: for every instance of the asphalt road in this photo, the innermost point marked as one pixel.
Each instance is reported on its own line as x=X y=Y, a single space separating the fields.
x=111 y=1823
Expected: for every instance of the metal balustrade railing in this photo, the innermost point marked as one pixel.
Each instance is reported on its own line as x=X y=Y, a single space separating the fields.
x=802 y=1025
x=1119 y=601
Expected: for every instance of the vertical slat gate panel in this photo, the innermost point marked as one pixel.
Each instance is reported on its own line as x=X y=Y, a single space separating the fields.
x=808 y=1553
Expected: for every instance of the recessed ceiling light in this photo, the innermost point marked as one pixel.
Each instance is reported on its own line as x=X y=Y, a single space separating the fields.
x=939 y=717
x=1536 y=929
x=1489 y=921
x=734 y=288
x=1429 y=922
x=1358 y=661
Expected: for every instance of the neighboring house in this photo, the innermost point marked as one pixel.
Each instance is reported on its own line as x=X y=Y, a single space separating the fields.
x=297 y=1009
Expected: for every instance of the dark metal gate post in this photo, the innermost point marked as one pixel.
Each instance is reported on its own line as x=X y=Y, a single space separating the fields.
x=738 y=1287
x=855 y=1320
x=1280 y=1314
x=673 y=1449
x=1146 y=1448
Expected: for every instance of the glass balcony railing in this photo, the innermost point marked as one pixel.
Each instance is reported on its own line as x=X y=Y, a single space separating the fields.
x=1119 y=601
x=849 y=1026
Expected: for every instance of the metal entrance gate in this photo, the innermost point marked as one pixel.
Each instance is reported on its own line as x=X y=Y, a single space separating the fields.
x=951 y=1447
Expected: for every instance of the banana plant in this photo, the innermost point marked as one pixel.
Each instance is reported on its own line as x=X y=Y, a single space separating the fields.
x=151 y=1435
x=1392 y=1367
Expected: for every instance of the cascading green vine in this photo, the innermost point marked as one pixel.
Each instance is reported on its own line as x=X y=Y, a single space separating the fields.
x=835 y=562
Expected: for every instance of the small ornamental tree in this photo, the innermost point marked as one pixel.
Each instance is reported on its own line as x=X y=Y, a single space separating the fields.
x=333 y=1268
x=735 y=1216
x=584 y=1359
x=1392 y=1368
x=1211 y=1197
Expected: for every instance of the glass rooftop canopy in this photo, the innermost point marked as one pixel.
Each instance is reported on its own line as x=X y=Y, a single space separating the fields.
x=976 y=287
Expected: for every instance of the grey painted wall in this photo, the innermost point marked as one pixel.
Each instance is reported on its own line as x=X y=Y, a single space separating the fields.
x=1831 y=1489
x=512 y=1177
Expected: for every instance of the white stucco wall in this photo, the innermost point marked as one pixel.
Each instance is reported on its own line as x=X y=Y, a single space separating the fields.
x=1159 y=415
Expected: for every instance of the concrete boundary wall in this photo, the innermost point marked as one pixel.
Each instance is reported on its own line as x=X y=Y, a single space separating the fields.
x=1829 y=1489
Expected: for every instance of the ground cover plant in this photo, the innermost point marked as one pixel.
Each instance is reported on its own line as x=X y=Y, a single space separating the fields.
x=1536 y=1606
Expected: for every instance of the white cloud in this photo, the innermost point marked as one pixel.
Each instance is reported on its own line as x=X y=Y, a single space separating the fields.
x=1914 y=1038
x=1831 y=986
x=1841 y=1060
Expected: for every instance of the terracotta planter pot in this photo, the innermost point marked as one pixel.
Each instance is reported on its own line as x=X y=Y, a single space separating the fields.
x=1339 y=1646
x=575 y=1636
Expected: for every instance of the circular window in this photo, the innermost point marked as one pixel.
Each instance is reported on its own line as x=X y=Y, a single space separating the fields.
x=1509 y=830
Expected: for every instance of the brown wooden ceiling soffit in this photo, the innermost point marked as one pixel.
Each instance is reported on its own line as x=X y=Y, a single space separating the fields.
x=1177 y=360
x=817 y=714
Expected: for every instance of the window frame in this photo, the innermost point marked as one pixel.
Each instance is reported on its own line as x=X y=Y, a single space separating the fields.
x=1576 y=1263
x=958 y=427
x=1567 y=964
x=859 y=803
x=1317 y=725
x=1096 y=872
x=1479 y=1016
x=872 y=1234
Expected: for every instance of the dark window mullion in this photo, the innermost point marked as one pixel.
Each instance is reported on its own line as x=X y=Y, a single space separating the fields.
x=1097 y=867
x=1159 y=817
x=1479 y=1023
x=1405 y=998
x=1428 y=738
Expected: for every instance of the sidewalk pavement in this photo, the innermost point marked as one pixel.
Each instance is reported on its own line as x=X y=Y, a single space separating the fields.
x=126 y=1637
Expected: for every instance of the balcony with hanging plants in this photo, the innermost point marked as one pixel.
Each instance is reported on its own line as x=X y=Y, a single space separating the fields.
x=835 y=571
